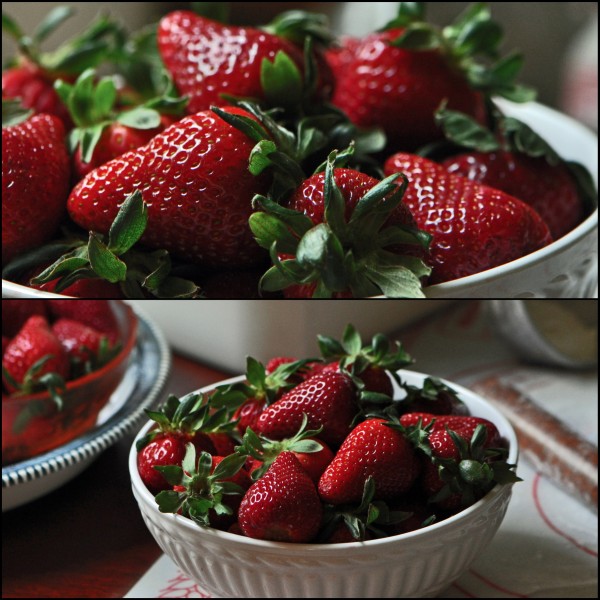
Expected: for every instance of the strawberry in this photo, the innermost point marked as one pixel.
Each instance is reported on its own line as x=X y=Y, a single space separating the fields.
x=83 y=288
x=433 y=397
x=398 y=77
x=374 y=365
x=283 y=505
x=376 y=449
x=329 y=400
x=207 y=490
x=313 y=454
x=207 y=59
x=102 y=130
x=179 y=422
x=88 y=348
x=97 y=314
x=195 y=182
x=513 y=158
x=343 y=234
x=247 y=399
x=35 y=359
x=474 y=227
x=35 y=180
x=16 y=312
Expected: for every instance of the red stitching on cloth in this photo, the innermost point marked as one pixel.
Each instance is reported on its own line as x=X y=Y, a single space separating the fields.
x=497 y=586
x=546 y=519
x=182 y=587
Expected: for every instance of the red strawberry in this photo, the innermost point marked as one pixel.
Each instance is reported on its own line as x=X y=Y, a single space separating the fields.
x=350 y=235
x=373 y=449
x=397 y=78
x=400 y=89
x=283 y=505
x=195 y=182
x=327 y=399
x=16 y=312
x=35 y=182
x=34 y=87
x=34 y=352
x=207 y=59
x=474 y=227
x=209 y=491
x=550 y=189
x=81 y=342
x=83 y=288
x=98 y=314
x=164 y=450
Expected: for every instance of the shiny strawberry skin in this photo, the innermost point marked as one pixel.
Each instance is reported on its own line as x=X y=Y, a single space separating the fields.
x=34 y=341
x=283 y=505
x=195 y=182
x=309 y=198
x=165 y=449
x=400 y=90
x=549 y=189
x=327 y=399
x=207 y=59
x=97 y=314
x=372 y=449
x=16 y=312
x=35 y=183
x=80 y=341
x=35 y=89
x=474 y=227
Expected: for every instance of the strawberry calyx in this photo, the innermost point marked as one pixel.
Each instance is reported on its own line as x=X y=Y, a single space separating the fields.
x=192 y=414
x=266 y=450
x=339 y=256
x=92 y=104
x=472 y=44
x=259 y=384
x=355 y=357
x=366 y=521
x=297 y=25
x=199 y=490
x=112 y=258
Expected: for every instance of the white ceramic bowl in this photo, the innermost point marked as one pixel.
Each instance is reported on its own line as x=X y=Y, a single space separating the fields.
x=418 y=564
x=568 y=268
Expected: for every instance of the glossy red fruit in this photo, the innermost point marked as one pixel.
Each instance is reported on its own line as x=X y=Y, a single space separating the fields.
x=550 y=189
x=195 y=182
x=116 y=140
x=35 y=183
x=35 y=89
x=165 y=449
x=207 y=59
x=81 y=342
x=283 y=505
x=97 y=314
x=399 y=90
x=84 y=288
x=372 y=449
x=474 y=227
x=34 y=342
x=327 y=399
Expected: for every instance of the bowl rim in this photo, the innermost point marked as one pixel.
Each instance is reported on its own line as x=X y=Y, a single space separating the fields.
x=143 y=495
x=75 y=384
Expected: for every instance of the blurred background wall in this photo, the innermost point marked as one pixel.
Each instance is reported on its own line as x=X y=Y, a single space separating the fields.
x=559 y=39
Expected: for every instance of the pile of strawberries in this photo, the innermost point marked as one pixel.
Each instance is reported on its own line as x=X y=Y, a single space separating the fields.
x=47 y=343
x=322 y=450
x=238 y=162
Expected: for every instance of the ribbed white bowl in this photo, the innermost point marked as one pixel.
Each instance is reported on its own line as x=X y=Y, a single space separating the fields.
x=417 y=564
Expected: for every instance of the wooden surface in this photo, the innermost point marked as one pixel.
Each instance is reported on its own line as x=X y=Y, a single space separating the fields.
x=87 y=539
